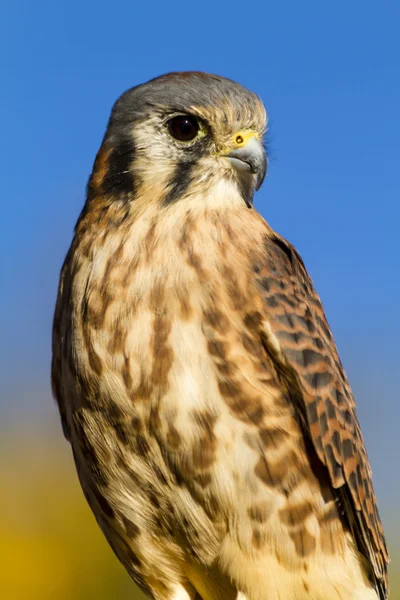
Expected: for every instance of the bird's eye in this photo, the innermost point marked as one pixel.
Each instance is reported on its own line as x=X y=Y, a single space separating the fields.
x=183 y=128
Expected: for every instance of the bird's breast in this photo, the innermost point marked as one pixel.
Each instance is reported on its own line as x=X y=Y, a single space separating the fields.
x=158 y=310
x=164 y=329
x=178 y=415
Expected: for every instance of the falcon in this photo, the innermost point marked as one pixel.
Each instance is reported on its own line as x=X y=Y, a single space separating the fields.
x=212 y=425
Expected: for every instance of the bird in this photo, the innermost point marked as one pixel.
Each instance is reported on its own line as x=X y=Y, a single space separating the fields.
x=212 y=425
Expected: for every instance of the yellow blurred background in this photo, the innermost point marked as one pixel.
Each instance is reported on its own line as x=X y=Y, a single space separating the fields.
x=50 y=545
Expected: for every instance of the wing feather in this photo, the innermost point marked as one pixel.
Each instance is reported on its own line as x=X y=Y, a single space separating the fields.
x=308 y=357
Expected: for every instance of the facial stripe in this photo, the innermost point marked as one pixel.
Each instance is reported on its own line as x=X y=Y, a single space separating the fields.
x=112 y=171
x=180 y=182
x=119 y=177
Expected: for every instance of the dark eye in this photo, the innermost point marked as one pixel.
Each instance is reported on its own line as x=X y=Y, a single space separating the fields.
x=184 y=128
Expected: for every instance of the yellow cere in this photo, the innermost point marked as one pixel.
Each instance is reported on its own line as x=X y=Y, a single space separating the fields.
x=241 y=138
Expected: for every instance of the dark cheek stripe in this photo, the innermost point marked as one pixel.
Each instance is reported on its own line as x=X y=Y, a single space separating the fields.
x=180 y=181
x=112 y=171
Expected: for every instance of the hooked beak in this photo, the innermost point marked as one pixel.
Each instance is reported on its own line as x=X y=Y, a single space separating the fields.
x=250 y=158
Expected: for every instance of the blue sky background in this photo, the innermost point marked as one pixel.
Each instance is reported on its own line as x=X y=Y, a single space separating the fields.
x=328 y=73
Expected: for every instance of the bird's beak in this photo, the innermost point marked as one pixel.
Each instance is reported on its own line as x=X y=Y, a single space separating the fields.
x=248 y=155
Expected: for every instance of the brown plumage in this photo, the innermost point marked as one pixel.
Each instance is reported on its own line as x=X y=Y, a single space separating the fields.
x=212 y=424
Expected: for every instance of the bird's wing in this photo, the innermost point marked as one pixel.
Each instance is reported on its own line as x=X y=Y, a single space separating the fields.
x=59 y=344
x=307 y=360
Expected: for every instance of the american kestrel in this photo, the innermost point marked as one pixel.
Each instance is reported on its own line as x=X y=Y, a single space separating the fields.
x=213 y=428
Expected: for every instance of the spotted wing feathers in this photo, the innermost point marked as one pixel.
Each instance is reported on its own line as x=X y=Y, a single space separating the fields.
x=309 y=361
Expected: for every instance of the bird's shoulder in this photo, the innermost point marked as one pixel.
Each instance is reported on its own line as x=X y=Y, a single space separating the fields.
x=296 y=334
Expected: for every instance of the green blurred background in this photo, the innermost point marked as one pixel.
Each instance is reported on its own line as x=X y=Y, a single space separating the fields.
x=329 y=75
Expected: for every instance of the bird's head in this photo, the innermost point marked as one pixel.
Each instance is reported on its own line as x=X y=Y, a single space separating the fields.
x=181 y=136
